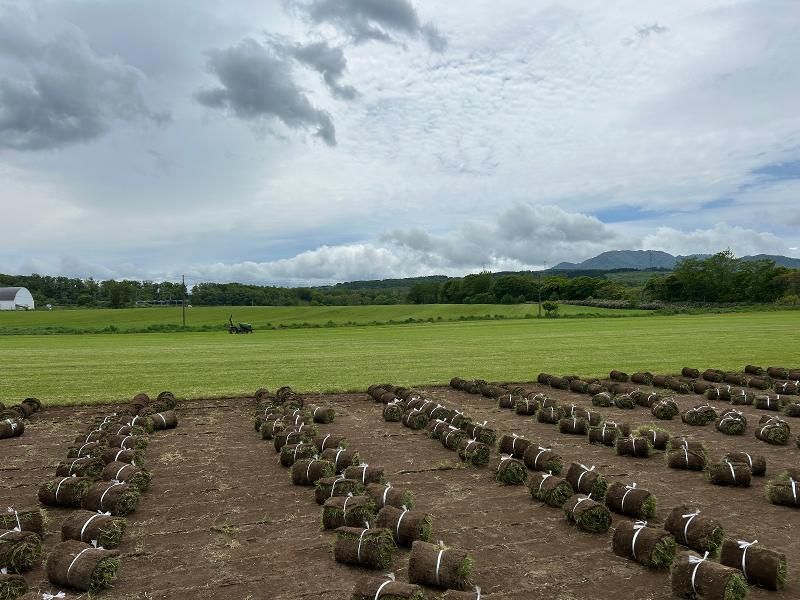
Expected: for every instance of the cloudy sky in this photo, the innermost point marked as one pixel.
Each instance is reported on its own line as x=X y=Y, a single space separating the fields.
x=295 y=141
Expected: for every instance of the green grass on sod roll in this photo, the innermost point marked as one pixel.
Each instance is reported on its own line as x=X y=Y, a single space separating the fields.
x=104 y=574
x=22 y=553
x=624 y=401
x=12 y=586
x=476 y=454
x=663 y=554
x=595 y=518
x=775 y=434
x=731 y=424
x=511 y=472
x=779 y=491
x=555 y=496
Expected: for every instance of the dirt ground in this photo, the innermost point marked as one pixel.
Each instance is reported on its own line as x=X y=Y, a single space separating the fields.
x=222 y=519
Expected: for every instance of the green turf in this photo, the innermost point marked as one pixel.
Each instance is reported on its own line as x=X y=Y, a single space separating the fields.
x=99 y=368
x=265 y=317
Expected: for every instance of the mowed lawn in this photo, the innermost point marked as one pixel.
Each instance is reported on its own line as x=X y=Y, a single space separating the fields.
x=76 y=369
x=271 y=316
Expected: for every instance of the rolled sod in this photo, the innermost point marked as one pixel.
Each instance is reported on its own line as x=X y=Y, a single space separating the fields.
x=438 y=566
x=19 y=550
x=778 y=372
x=127 y=473
x=537 y=458
x=664 y=409
x=406 y=525
x=616 y=375
x=514 y=445
x=679 y=443
x=11 y=427
x=87 y=449
x=34 y=520
x=784 y=489
x=759 y=383
x=544 y=378
x=694 y=530
x=347 y=511
x=122 y=455
x=64 y=491
x=595 y=388
x=373 y=588
x=393 y=412
x=456 y=383
x=292 y=452
x=642 y=377
x=526 y=407
x=309 y=470
x=787 y=387
x=589 y=515
x=699 y=415
x=480 y=432
x=414 y=419
x=458 y=419
x=328 y=487
x=755 y=370
x=658 y=437
x=734 y=378
x=120 y=499
x=738 y=397
x=269 y=429
x=593 y=418
x=85 y=526
x=341 y=458
x=705 y=579
x=701 y=387
x=756 y=463
x=773 y=431
x=145 y=423
x=690 y=373
x=550 y=415
x=369 y=548
x=573 y=426
x=559 y=383
x=82 y=467
x=624 y=401
x=631 y=501
x=508 y=401
x=651 y=547
x=731 y=423
x=291 y=436
x=165 y=420
x=323 y=442
x=585 y=480
x=440 y=412
x=365 y=473
x=12 y=586
x=680 y=386
x=578 y=386
x=691 y=459
x=660 y=381
x=604 y=435
x=792 y=409
x=436 y=428
x=322 y=414
x=760 y=566
x=768 y=402
x=603 y=399
x=714 y=375
x=83 y=567
x=553 y=491
x=452 y=438
x=474 y=452
x=132 y=442
x=95 y=435
x=639 y=447
x=386 y=495
x=511 y=471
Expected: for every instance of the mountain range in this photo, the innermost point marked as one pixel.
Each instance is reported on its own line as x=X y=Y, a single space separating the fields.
x=653 y=259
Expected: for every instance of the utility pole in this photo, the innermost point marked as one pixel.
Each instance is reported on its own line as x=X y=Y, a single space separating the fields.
x=540 y=293
x=183 y=302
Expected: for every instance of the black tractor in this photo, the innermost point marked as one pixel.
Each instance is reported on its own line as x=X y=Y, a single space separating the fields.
x=238 y=328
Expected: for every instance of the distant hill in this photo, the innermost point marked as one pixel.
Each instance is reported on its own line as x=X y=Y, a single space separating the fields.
x=653 y=259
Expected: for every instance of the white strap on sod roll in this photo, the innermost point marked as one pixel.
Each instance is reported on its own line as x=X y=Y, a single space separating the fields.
x=794 y=489
x=58 y=487
x=544 y=478
x=336 y=460
x=536 y=460
x=335 y=481
x=691 y=517
x=477 y=593
x=504 y=458
x=686 y=454
x=696 y=561
x=733 y=473
x=46 y=596
x=384 y=584
x=364 y=474
x=113 y=485
x=5 y=533
x=574 y=508
x=637 y=527
x=16 y=516
x=749 y=460
x=346 y=500
x=125 y=439
x=80 y=450
x=585 y=471
x=361 y=539
x=514 y=443
x=397 y=531
x=121 y=450
x=308 y=470
x=325 y=439
x=92 y=518
x=74 y=560
x=386 y=491
x=121 y=469
x=439 y=562
x=628 y=490
x=163 y=420
x=744 y=546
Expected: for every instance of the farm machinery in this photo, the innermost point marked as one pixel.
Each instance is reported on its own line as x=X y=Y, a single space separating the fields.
x=239 y=327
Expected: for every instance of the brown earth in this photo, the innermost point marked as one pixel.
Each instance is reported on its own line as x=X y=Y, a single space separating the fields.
x=222 y=519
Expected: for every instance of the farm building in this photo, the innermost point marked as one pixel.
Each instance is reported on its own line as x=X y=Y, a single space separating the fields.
x=12 y=298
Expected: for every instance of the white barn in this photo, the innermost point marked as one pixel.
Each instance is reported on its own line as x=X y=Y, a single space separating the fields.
x=12 y=298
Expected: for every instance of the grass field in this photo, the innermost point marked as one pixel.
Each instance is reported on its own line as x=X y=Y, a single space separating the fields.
x=102 y=368
x=216 y=317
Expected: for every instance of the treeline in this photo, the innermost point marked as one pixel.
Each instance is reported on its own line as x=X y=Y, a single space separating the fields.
x=720 y=278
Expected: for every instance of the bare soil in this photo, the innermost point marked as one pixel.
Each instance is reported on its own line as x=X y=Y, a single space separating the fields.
x=222 y=519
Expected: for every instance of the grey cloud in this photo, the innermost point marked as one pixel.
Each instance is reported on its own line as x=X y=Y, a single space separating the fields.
x=57 y=91
x=328 y=61
x=648 y=30
x=374 y=20
x=256 y=84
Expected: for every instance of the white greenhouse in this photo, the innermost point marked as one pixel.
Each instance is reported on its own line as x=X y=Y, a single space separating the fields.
x=13 y=298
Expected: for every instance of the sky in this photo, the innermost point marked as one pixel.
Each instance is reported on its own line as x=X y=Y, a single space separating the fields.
x=299 y=142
